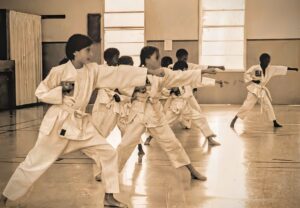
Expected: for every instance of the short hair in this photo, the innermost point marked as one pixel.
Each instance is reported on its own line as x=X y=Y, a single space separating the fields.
x=264 y=56
x=146 y=53
x=75 y=43
x=166 y=61
x=181 y=52
x=110 y=53
x=180 y=65
x=125 y=60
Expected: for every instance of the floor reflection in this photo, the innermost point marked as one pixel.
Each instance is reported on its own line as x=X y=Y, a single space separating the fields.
x=256 y=166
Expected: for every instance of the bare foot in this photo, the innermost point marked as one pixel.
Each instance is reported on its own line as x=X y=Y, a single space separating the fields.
x=211 y=141
x=195 y=174
x=3 y=201
x=148 y=140
x=141 y=153
x=98 y=177
x=110 y=201
x=276 y=124
x=140 y=157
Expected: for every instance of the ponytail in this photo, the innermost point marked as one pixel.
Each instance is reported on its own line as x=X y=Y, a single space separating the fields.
x=63 y=61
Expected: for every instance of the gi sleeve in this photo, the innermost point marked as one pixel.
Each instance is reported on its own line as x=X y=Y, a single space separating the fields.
x=120 y=77
x=278 y=70
x=49 y=90
x=182 y=78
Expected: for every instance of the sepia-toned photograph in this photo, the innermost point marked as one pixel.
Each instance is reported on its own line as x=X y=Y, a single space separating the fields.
x=149 y=103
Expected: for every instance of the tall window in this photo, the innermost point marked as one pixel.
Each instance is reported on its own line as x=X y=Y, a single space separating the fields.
x=124 y=27
x=222 y=33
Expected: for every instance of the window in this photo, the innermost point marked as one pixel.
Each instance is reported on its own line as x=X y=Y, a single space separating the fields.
x=124 y=27
x=222 y=33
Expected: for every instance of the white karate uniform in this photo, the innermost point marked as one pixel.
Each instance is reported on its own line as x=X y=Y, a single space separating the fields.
x=67 y=128
x=147 y=113
x=192 y=66
x=107 y=113
x=186 y=110
x=259 y=92
x=177 y=108
x=192 y=114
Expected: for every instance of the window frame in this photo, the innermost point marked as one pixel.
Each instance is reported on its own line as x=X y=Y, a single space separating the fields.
x=201 y=32
x=125 y=28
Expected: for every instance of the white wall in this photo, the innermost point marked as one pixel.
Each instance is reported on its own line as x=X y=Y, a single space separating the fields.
x=272 y=19
x=171 y=19
x=179 y=20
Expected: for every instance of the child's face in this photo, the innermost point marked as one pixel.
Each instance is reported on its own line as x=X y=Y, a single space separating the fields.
x=114 y=61
x=84 y=56
x=153 y=61
x=265 y=63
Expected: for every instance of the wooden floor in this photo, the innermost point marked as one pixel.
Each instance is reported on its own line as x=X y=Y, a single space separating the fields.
x=256 y=166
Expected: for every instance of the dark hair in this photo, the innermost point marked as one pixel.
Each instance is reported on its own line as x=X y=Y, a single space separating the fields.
x=180 y=65
x=147 y=52
x=166 y=61
x=181 y=52
x=75 y=43
x=110 y=53
x=264 y=56
x=63 y=61
x=125 y=60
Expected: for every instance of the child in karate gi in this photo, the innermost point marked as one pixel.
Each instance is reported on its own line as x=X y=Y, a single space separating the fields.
x=183 y=55
x=166 y=61
x=258 y=77
x=127 y=60
x=112 y=107
x=147 y=113
x=66 y=127
x=183 y=107
x=106 y=107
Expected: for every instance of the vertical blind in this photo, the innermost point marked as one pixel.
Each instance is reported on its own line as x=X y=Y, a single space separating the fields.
x=26 y=49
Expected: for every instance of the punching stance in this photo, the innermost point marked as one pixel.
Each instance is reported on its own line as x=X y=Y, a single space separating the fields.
x=66 y=127
x=147 y=113
x=181 y=106
x=258 y=77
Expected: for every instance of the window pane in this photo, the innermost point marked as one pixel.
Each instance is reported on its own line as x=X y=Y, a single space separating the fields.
x=124 y=20
x=223 y=4
x=223 y=33
x=124 y=5
x=128 y=49
x=124 y=35
x=223 y=48
x=223 y=18
x=230 y=62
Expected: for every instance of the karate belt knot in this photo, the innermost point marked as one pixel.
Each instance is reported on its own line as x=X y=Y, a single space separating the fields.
x=77 y=116
x=146 y=98
x=175 y=104
x=122 y=108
